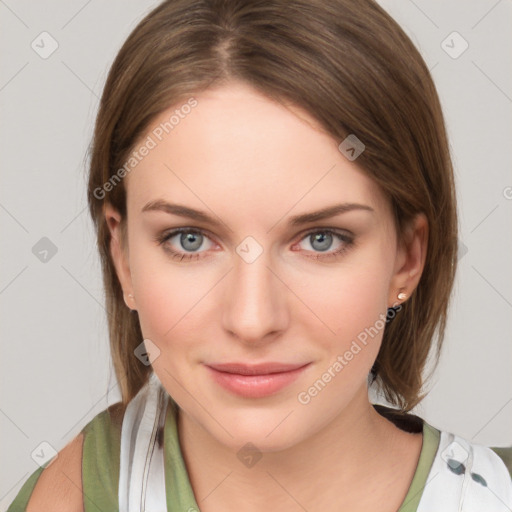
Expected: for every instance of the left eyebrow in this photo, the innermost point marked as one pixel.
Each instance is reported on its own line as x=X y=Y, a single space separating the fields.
x=297 y=220
x=326 y=213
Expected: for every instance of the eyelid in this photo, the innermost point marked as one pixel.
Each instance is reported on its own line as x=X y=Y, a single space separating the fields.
x=345 y=236
x=316 y=229
x=172 y=232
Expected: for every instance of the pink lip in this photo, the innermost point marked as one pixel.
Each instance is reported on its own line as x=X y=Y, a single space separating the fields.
x=255 y=381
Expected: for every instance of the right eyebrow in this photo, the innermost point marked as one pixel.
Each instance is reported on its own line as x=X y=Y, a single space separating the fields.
x=180 y=210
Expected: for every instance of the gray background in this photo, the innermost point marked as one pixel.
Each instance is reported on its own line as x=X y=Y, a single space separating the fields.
x=55 y=369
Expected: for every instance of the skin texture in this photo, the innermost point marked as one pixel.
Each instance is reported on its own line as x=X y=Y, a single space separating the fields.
x=252 y=163
x=59 y=488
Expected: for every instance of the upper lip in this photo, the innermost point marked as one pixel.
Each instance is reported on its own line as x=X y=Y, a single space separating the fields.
x=255 y=369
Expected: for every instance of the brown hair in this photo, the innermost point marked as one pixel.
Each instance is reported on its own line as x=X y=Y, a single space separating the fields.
x=351 y=67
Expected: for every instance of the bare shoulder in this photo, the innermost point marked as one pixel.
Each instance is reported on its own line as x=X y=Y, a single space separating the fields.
x=59 y=487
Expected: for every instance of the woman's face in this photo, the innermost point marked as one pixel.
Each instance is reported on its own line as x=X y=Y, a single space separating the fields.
x=252 y=285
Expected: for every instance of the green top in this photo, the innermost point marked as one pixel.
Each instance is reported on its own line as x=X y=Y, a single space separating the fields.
x=101 y=455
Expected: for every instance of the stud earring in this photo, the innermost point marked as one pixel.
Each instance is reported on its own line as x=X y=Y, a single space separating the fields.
x=402 y=296
x=126 y=302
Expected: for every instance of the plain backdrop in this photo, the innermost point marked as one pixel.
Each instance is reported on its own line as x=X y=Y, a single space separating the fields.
x=55 y=364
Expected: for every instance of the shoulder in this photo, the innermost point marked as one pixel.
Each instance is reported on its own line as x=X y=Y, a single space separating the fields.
x=87 y=468
x=505 y=455
x=458 y=458
x=59 y=486
x=100 y=465
x=457 y=447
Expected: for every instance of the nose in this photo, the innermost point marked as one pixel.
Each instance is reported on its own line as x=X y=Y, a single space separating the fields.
x=255 y=309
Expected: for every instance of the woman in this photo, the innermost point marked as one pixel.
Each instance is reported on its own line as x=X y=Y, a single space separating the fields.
x=274 y=201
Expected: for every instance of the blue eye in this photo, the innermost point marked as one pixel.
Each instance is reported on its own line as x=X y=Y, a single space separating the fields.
x=192 y=240
x=322 y=239
x=189 y=239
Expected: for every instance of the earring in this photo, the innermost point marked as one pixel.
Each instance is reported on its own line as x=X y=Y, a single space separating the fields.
x=126 y=302
x=402 y=296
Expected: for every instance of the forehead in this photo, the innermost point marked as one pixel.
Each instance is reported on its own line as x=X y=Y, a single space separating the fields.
x=238 y=152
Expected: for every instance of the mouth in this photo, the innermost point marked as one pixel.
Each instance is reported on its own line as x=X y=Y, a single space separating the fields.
x=255 y=381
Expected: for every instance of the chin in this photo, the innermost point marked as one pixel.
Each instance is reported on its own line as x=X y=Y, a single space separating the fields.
x=268 y=430
x=258 y=441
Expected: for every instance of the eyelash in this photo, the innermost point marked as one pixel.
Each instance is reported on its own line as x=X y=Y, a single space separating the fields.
x=348 y=242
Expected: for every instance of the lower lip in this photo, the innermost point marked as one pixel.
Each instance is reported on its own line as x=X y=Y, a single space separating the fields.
x=255 y=386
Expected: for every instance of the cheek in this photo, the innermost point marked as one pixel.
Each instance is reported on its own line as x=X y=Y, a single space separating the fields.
x=170 y=298
x=350 y=298
x=352 y=302
x=164 y=296
x=364 y=300
x=354 y=307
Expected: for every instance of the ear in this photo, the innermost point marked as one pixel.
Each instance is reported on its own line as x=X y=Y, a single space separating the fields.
x=119 y=253
x=410 y=259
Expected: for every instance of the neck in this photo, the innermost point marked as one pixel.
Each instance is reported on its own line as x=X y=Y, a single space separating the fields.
x=357 y=451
